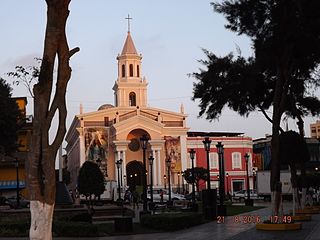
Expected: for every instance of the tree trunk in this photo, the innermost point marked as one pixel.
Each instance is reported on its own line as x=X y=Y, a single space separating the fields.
x=41 y=158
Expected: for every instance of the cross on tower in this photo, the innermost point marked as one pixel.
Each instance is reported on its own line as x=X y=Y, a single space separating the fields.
x=128 y=18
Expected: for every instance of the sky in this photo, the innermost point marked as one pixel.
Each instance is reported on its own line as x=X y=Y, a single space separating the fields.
x=169 y=34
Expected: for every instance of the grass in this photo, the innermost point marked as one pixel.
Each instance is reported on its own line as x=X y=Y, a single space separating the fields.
x=235 y=210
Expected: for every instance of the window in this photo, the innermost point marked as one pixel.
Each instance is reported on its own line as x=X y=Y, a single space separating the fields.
x=138 y=71
x=131 y=70
x=236 y=160
x=123 y=70
x=213 y=160
x=132 y=99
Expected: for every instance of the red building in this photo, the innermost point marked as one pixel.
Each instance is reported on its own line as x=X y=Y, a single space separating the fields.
x=235 y=145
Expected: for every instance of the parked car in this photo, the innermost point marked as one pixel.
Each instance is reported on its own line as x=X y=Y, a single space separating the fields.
x=189 y=196
x=242 y=195
x=23 y=203
x=157 y=198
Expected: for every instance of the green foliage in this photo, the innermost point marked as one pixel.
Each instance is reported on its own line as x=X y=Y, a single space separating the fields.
x=285 y=39
x=171 y=221
x=90 y=180
x=9 y=116
x=74 y=229
x=293 y=148
x=200 y=173
x=16 y=228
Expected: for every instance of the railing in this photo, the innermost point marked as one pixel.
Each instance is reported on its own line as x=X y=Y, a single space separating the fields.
x=173 y=123
x=149 y=115
x=127 y=115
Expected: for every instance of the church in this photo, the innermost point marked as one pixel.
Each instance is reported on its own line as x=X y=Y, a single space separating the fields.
x=113 y=134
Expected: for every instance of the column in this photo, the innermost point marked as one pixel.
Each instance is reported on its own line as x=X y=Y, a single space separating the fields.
x=159 y=167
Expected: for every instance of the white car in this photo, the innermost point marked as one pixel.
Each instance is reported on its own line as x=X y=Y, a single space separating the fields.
x=242 y=195
x=157 y=198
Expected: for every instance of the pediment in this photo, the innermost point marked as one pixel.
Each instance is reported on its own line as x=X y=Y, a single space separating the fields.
x=138 y=122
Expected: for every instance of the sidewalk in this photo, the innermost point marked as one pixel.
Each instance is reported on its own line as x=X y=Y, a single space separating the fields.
x=231 y=229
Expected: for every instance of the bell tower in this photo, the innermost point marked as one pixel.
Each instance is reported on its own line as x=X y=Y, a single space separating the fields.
x=130 y=89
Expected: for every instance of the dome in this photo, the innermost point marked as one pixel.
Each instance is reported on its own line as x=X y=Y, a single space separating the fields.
x=105 y=106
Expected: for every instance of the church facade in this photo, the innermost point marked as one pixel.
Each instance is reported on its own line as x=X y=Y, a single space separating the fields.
x=113 y=132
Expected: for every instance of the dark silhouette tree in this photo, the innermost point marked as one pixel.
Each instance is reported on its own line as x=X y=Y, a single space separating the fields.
x=285 y=39
x=90 y=181
x=49 y=101
x=200 y=173
x=10 y=120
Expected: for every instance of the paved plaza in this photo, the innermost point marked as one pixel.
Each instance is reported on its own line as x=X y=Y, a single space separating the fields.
x=233 y=228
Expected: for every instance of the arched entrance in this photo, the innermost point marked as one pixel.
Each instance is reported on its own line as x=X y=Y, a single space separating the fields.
x=134 y=171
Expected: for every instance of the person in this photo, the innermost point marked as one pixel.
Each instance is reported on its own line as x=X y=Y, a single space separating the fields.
x=135 y=199
x=161 y=195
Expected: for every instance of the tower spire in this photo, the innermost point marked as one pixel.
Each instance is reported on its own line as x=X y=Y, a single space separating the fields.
x=128 y=18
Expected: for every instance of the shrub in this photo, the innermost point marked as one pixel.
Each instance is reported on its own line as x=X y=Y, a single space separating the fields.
x=74 y=229
x=171 y=221
x=14 y=229
x=82 y=217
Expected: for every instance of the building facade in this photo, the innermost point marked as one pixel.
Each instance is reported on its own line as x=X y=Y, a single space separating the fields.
x=113 y=132
x=315 y=129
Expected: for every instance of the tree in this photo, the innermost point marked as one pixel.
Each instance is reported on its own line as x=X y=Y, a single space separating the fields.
x=90 y=181
x=285 y=40
x=200 y=173
x=47 y=104
x=10 y=119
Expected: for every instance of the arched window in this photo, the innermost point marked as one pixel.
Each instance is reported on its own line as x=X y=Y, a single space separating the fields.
x=123 y=70
x=132 y=99
x=131 y=70
x=138 y=71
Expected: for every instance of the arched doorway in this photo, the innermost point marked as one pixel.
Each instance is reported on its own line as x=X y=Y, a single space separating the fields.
x=134 y=171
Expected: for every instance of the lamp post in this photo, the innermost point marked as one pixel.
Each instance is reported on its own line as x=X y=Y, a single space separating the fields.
x=248 y=202
x=144 y=143
x=192 y=153
x=178 y=182
x=118 y=163
x=168 y=162
x=182 y=178
x=222 y=207
x=16 y=163
x=121 y=171
x=165 y=181
x=227 y=181
x=206 y=144
x=151 y=158
x=254 y=173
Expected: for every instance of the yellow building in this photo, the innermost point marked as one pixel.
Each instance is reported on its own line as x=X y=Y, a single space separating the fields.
x=11 y=166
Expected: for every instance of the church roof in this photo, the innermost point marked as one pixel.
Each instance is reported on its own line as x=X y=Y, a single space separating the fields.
x=129 y=47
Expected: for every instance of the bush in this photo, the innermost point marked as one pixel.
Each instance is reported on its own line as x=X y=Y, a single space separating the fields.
x=171 y=221
x=74 y=229
x=14 y=229
x=82 y=217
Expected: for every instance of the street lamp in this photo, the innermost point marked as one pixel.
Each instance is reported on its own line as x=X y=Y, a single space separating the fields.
x=248 y=202
x=168 y=162
x=227 y=178
x=222 y=208
x=165 y=181
x=206 y=144
x=179 y=182
x=16 y=163
x=151 y=158
x=192 y=153
x=121 y=171
x=144 y=143
x=254 y=173
x=118 y=163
